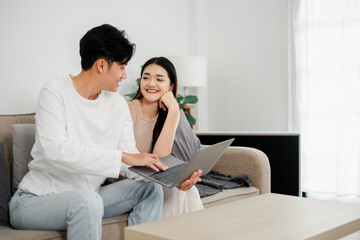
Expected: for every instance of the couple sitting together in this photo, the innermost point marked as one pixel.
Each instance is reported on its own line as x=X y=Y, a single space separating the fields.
x=86 y=132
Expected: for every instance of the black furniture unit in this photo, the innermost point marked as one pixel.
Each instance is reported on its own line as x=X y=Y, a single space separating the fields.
x=282 y=149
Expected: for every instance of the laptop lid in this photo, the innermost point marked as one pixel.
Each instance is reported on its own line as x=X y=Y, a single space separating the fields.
x=204 y=159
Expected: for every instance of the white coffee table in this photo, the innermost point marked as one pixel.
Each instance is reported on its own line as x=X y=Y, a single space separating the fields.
x=269 y=216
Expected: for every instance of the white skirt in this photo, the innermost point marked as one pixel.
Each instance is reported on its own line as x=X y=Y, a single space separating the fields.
x=177 y=202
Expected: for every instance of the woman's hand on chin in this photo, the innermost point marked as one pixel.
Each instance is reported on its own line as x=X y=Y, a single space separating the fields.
x=168 y=101
x=187 y=184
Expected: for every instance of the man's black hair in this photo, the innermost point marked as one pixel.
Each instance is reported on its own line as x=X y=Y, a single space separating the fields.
x=106 y=42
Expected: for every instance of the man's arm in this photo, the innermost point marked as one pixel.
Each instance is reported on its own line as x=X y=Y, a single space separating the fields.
x=59 y=151
x=130 y=155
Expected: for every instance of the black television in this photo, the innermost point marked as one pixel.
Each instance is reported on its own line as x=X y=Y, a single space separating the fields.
x=282 y=149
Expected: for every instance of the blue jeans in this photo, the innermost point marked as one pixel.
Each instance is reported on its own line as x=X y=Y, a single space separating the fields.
x=81 y=212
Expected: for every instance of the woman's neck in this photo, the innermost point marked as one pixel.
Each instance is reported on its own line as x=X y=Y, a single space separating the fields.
x=149 y=109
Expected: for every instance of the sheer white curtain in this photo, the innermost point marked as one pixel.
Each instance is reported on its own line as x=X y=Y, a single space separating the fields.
x=326 y=40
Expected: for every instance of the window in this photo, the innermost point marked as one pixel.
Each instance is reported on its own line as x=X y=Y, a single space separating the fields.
x=326 y=35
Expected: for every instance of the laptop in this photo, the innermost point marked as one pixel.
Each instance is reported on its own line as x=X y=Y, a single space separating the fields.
x=178 y=171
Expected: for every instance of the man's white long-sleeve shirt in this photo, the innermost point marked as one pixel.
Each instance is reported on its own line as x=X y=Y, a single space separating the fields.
x=79 y=142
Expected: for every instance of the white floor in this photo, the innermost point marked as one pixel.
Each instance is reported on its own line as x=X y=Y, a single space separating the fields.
x=350 y=199
x=354 y=236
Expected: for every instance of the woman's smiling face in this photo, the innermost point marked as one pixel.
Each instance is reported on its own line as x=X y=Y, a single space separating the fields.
x=154 y=82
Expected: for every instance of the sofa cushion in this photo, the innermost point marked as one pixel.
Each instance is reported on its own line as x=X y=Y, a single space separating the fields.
x=14 y=234
x=23 y=141
x=229 y=195
x=5 y=193
x=112 y=228
x=6 y=135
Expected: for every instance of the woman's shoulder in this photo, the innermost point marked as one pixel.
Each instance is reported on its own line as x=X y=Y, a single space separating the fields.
x=131 y=104
x=132 y=109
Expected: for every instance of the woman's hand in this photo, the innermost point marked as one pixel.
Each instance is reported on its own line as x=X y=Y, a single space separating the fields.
x=168 y=101
x=187 y=184
x=144 y=159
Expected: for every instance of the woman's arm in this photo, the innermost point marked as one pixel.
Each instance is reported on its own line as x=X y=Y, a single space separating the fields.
x=165 y=140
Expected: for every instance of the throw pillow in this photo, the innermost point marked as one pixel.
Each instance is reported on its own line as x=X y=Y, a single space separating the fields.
x=5 y=194
x=23 y=141
x=186 y=143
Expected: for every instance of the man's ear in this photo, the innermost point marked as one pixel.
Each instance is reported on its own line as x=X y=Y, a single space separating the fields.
x=101 y=65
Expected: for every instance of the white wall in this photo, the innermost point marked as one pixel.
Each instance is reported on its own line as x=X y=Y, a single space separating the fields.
x=40 y=38
x=247 y=88
x=244 y=40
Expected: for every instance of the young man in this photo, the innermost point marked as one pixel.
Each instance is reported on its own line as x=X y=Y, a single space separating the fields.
x=84 y=134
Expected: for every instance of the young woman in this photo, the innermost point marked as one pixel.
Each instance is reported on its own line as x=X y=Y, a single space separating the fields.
x=156 y=115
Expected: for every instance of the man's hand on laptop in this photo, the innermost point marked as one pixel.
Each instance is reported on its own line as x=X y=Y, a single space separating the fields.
x=187 y=184
x=144 y=159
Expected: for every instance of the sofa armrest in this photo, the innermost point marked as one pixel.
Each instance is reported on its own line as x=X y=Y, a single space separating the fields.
x=245 y=160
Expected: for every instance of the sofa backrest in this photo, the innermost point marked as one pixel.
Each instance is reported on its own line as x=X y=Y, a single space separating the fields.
x=6 y=135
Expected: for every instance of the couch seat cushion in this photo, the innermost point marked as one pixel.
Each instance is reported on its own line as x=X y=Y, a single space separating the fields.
x=112 y=229
x=230 y=195
x=10 y=233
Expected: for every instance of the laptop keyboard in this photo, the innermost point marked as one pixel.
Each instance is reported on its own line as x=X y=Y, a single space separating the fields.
x=170 y=175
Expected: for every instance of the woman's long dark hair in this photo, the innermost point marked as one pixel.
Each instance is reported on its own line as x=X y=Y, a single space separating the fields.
x=170 y=69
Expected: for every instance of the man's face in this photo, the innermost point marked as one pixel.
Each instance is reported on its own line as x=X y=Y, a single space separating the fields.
x=113 y=75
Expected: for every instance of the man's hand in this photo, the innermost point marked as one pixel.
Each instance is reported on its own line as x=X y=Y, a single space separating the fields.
x=144 y=159
x=187 y=184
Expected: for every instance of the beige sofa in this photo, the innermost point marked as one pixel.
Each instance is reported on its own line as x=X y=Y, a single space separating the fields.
x=236 y=160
